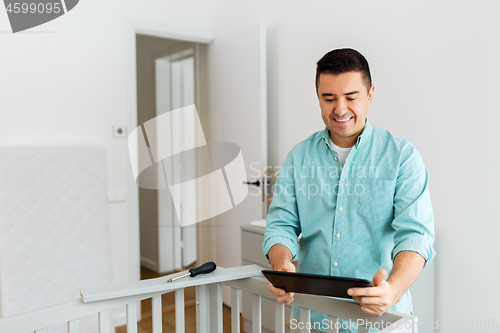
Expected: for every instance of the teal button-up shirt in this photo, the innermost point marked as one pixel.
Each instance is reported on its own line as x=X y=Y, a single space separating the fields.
x=353 y=219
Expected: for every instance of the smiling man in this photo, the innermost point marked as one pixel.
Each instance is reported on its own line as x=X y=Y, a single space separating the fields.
x=358 y=195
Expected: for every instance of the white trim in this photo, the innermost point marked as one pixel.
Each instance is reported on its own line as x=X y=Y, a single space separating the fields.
x=133 y=191
x=176 y=52
x=170 y=31
x=135 y=26
x=263 y=111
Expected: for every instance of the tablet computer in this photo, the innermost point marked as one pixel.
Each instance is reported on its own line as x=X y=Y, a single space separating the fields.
x=314 y=284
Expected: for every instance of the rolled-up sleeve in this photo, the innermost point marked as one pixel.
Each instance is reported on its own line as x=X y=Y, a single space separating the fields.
x=413 y=215
x=283 y=224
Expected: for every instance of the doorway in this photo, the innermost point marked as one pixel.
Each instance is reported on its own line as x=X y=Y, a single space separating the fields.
x=234 y=118
x=167 y=79
x=166 y=82
x=171 y=74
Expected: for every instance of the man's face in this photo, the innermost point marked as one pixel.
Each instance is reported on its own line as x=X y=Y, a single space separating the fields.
x=344 y=102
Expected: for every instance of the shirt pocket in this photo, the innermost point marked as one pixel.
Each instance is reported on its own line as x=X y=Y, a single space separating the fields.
x=376 y=198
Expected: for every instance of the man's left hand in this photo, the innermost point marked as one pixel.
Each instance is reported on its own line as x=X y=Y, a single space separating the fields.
x=379 y=298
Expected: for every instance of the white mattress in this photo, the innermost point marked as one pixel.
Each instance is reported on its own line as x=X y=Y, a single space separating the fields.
x=53 y=226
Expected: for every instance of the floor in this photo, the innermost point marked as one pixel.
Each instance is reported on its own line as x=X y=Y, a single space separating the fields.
x=168 y=304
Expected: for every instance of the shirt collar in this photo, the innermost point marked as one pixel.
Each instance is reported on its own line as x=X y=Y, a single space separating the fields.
x=364 y=136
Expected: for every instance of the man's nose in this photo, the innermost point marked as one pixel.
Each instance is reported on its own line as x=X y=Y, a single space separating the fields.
x=340 y=108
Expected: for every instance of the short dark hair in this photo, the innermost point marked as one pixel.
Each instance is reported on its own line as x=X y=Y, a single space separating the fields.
x=342 y=61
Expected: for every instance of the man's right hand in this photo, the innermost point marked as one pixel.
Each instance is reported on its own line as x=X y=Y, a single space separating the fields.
x=280 y=258
x=280 y=295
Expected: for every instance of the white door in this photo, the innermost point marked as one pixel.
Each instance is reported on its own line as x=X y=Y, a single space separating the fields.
x=239 y=115
x=175 y=88
x=183 y=94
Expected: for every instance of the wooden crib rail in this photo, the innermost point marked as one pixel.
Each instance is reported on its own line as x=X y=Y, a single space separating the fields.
x=160 y=284
x=69 y=312
x=209 y=305
x=334 y=308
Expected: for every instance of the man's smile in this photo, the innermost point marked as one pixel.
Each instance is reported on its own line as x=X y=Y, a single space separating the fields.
x=342 y=120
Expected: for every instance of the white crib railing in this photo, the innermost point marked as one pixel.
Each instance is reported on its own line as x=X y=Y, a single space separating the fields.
x=208 y=306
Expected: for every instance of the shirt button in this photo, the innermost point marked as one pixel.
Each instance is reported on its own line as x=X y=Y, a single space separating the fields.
x=335 y=264
x=338 y=181
x=337 y=235
x=335 y=159
x=341 y=209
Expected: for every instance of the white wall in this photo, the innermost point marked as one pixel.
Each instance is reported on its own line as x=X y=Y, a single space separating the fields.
x=65 y=81
x=436 y=71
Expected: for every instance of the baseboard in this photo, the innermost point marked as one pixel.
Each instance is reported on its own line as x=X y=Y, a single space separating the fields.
x=149 y=264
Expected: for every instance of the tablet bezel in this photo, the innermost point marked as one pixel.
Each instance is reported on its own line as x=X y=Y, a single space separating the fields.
x=315 y=284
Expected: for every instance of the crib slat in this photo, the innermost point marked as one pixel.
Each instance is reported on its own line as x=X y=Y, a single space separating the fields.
x=333 y=325
x=279 y=314
x=74 y=326
x=104 y=322
x=256 y=314
x=215 y=291
x=305 y=317
x=202 y=309
x=132 y=318
x=235 y=310
x=179 y=311
x=157 y=314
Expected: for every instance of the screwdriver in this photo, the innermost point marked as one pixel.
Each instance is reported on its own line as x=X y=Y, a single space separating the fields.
x=207 y=267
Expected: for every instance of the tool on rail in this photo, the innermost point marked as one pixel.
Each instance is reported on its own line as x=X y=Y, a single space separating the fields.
x=207 y=267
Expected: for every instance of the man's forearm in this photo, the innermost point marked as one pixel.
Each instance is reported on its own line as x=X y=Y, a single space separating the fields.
x=407 y=267
x=279 y=255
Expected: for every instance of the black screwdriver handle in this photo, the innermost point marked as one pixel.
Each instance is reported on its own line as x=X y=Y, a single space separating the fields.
x=207 y=267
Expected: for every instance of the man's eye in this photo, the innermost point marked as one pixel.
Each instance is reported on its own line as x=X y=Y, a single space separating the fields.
x=329 y=100
x=351 y=99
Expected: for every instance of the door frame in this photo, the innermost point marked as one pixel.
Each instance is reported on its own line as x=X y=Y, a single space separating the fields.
x=134 y=26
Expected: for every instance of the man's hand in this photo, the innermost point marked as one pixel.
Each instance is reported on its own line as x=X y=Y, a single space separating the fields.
x=379 y=298
x=280 y=295
x=281 y=260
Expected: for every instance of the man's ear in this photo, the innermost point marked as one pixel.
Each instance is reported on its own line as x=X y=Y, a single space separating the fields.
x=370 y=94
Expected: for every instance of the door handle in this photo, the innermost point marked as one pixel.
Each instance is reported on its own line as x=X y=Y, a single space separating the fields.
x=255 y=183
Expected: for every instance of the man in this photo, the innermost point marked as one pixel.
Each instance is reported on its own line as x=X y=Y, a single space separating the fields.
x=357 y=193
